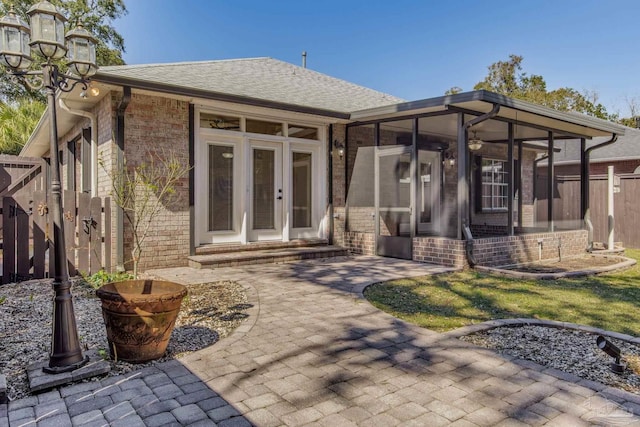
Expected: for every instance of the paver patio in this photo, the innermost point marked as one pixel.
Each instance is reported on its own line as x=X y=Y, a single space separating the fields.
x=313 y=352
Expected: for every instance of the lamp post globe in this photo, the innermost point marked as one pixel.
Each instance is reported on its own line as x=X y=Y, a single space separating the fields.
x=81 y=52
x=47 y=30
x=48 y=39
x=15 y=52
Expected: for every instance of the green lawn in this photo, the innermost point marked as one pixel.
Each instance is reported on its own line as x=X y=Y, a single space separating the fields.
x=449 y=301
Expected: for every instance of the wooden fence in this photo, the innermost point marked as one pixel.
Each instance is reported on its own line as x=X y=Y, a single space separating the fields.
x=566 y=206
x=19 y=176
x=27 y=238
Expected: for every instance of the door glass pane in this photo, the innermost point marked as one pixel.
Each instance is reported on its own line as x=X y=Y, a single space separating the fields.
x=220 y=188
x=426 y=189
x=394 y=194
x=301 y=190
x=263 y=189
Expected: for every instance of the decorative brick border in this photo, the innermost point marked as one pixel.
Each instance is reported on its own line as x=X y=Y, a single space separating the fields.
x=624 y=264
x=514 y=323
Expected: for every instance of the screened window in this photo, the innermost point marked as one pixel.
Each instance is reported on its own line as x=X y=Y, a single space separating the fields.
x=494 y=185
x=300 y=131
x=217 y=121
x=266 y=128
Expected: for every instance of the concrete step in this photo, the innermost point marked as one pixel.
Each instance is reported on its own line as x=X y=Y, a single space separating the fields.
x=258 y=246
x=270 y=256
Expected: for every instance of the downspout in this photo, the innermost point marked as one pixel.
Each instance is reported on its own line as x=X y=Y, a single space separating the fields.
x=122 y=107
x=94 y=142
x=466 y=220
x=330 y=184
x=585 y=164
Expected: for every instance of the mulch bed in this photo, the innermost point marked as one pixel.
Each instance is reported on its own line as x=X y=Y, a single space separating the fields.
x=569 y=264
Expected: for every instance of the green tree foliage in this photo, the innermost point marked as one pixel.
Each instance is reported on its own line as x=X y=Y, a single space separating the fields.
x=507 y=78
x=17 y=121
x=453 y=90
x=97 y=16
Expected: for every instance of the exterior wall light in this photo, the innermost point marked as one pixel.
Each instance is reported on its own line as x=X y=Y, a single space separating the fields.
x=339 y=146
x=450 y=158
x=94 y=90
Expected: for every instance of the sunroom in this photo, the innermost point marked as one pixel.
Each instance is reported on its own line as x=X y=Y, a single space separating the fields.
x=450 y=180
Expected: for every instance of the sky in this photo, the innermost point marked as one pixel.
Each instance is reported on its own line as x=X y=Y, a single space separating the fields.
x=411 y=49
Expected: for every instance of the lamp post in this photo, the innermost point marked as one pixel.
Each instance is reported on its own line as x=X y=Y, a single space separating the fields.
x=46 y=37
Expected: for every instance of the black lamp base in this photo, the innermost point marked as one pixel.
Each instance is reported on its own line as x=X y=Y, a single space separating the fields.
x=67 y=368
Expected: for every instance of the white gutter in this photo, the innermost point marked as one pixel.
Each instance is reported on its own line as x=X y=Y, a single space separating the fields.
x=94 y=142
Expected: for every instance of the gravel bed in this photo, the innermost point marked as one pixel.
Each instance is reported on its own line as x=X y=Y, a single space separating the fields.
x=209 y=312
x=567 y=350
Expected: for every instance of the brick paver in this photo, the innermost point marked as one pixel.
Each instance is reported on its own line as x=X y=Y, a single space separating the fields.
x=314 y=352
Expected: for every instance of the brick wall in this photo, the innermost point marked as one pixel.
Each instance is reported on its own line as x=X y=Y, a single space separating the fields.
x=499 y=251
x=507 y=250
x=155 y=126
x=359 y=243
x=338 y=177
x=439 y=250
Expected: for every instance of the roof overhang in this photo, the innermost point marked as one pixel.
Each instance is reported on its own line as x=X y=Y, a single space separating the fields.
x=111 y=79
x=544 y=119
x=38 y=143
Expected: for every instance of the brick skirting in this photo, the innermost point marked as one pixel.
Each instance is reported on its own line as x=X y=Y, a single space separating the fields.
x=491 y=252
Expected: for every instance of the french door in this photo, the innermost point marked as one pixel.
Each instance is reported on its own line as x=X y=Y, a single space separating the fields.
x=251 y=189
x=266 y=191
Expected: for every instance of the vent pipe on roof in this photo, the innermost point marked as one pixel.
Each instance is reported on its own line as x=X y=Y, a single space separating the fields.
x=304 y=59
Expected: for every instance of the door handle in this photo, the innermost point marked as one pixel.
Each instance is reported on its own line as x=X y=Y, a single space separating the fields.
x=279 y=197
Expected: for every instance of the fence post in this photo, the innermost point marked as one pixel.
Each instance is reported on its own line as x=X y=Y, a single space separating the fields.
x=107 y=234
x=23 y=264
x=8 y=240
x=69 y=220
x=95 y=236
x=84 y=231
x=39 y=234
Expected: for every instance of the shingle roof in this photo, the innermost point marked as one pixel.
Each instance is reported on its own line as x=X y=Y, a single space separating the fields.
x=626 y=147
x=258 y=78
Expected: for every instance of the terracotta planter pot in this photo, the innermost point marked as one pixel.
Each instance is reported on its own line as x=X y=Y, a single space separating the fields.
x=139 y=316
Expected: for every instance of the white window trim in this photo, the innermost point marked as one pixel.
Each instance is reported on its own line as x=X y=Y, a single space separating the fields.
x=493 y=184
x=317 y=147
